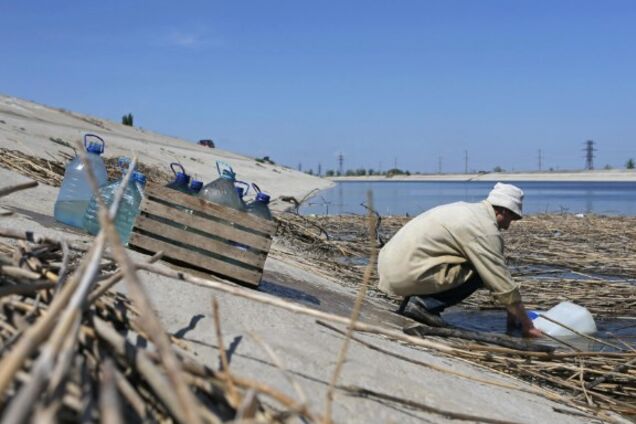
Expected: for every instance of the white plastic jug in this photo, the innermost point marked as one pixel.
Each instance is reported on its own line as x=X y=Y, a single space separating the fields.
x=567 y=313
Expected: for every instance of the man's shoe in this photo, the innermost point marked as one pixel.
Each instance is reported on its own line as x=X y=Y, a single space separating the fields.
x=416 y=311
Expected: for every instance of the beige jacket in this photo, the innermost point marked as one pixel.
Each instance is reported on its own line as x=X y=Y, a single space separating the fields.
x=442 y=248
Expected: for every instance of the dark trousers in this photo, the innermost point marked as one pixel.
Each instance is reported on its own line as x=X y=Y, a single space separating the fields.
x=436 y=303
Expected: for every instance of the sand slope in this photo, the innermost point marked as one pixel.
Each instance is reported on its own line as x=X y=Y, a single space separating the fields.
x=29 y=127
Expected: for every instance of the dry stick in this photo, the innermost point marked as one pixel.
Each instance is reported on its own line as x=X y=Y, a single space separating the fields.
x=114 y=279
x=109 y=405
x=233 y=395
x=17 y=272
x=25 y=289
x=131 y=395
x=578 y=333
x=18 y=187
x=148 y=318
x=627 y=346
x=270 y=352
x=63 y=272
x=360 y=391
x=582 y=382
x=375 y=329
x=354 y=314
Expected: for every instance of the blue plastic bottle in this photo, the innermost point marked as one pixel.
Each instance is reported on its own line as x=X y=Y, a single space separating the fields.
x=181 y=178
x=75 y=193
x=260 y=205
x=222 y=190
x=128 y=207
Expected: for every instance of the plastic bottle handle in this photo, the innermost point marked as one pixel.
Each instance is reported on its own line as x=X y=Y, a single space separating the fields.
x=177 y=164
x=226 y=168
x=257 y=189
x=95 y=136
x=244 y=185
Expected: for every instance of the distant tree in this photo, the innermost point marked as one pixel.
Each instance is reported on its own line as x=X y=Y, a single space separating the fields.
x=608 y=166
x=396 y=171
x=361 y=172
x=497 y=169
x=370 y=172
x=630 y=164
x=127 y=120
x=329 y=173
x=350 y=173
x=310 y=172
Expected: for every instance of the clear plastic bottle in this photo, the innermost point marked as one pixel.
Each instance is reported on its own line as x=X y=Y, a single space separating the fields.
x=260 y=205
x=75 y=193
x=128 y=207
x=222 y=190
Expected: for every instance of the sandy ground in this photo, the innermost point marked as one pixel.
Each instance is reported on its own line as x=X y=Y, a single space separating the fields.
x=29 y=127
x=618 y=175
x=306 y=349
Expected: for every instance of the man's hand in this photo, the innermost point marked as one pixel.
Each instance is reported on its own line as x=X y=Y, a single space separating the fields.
x=517 y=314
x=533 y=332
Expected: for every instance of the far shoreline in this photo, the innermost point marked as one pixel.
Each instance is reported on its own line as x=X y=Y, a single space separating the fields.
x=619 y=175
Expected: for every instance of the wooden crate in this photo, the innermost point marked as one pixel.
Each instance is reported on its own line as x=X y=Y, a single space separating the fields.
x=218 y=240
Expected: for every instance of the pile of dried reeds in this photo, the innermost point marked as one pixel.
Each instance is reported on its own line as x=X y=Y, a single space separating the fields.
x=591 y=244
x=68 y=347
x=42 y=170
x=51 y=171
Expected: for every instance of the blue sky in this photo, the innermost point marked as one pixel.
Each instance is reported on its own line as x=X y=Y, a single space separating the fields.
x=412 y=83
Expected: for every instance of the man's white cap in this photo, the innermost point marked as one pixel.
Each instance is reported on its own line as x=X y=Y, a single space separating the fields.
x=507 y=196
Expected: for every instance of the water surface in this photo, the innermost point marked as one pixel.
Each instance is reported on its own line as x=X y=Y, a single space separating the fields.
x=413 y=197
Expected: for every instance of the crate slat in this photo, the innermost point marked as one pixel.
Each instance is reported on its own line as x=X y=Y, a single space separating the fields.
x=211 y=264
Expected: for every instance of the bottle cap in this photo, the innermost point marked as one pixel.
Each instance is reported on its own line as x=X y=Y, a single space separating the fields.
x=95 y=148
x=533 y=315
x=262 y=197
x=196 y=185
x=139 y=177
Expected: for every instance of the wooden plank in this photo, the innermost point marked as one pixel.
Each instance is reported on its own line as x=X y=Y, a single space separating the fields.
x=209 y=208
x=217 y=228
x=179 y=235
x=214 y=265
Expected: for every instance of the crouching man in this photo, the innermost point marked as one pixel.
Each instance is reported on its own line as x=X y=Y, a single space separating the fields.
x=443 y=255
